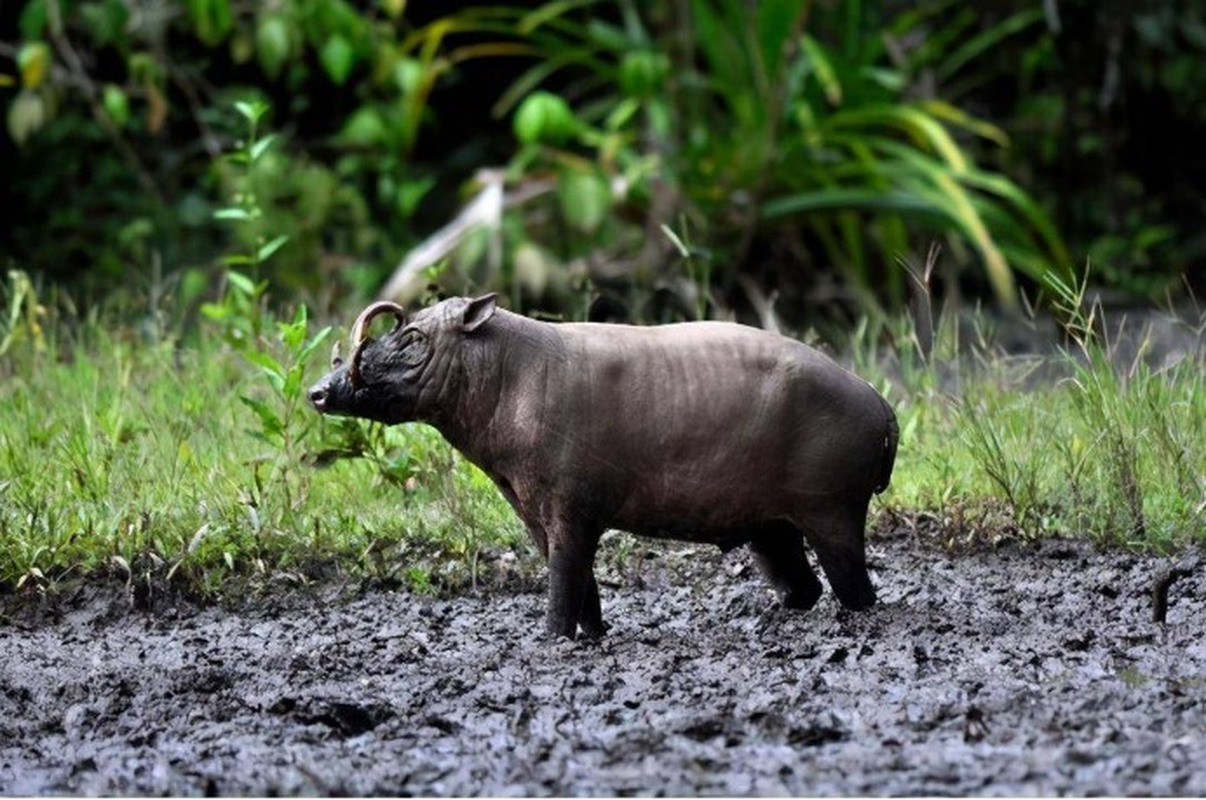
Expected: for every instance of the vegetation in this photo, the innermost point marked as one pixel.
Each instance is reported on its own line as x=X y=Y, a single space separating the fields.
x=805 y=147
x=191 y=184
x=132 y=451
x=126 y=450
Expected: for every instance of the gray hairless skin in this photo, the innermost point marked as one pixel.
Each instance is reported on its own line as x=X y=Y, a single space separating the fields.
x=706 y=431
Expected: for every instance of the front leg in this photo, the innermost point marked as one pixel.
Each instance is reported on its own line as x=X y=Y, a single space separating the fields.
x=573 y=593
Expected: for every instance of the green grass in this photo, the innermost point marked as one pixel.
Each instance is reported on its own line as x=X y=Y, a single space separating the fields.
x=129 y=453
x=139 y=459
x=1071 y=444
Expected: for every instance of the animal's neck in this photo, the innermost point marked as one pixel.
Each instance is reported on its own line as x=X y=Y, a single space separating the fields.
x=465 y=420
x=503 y=383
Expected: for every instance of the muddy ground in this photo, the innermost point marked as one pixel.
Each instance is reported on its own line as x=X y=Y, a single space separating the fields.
x=1020 y=670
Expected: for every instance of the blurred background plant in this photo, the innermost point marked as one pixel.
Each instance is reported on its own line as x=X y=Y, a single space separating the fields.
x=802 y=146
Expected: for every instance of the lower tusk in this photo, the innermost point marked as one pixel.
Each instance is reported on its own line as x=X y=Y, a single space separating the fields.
x=354 y=366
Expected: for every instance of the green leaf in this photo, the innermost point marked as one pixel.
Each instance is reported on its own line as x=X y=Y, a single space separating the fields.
x=975 y=47
x=292 y=333
x=27 y=114
x=272 y=44
x=265 y=362
x=338 y=58
x=407 y=75
x=643 y=72
x=313 y=344
x=410 y=193
x=844 y=198
x=291 y=389
x=33 y=20
x=33 y=60
x=1030 y=211
x=823 y=69
x=241 y=283
x=232 y=212
x=267 y=250
x=212 y=20
x=922 y=128
x=271 y=424
x=257 y=149
x=940 y=109
x=105 y=21
x=366 y=127
x=215 y=311
x=776 y=21
x=252 y=111
x=965 y=214
x=678 y=243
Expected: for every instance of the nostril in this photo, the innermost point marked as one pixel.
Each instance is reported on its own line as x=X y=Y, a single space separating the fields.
x=318 y=396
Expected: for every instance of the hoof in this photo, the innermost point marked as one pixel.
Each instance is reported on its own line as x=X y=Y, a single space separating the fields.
x=857 y=598
x=802 y=599
x=593 y=631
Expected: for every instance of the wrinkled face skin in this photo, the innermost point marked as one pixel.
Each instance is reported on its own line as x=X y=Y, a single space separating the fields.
x=408 y=373
x=381 y=381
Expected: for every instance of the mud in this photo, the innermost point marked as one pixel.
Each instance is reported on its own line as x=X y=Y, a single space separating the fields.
x=1016 y=671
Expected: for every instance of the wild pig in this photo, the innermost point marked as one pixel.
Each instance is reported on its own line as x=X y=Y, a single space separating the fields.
x=705 y=431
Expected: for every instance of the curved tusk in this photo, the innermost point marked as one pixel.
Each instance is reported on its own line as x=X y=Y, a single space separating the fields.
x=360 y=332
x=354 y=366
x=361 y=326
x=336 y=359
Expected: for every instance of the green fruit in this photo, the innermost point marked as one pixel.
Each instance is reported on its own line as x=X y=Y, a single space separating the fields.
x=26 y=115
x=117 y=105
x=585 y=197
x=545 y=118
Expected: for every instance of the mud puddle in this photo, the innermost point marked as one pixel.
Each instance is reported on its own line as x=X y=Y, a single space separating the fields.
x=1024 y=670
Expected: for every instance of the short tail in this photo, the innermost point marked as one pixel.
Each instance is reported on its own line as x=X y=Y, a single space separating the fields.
x=891 y=438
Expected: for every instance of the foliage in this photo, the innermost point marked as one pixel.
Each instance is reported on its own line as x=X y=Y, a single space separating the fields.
x=1079 y=442
x=1102 y=102
x=136 y=103
x=801 y=142
x=765 y=137
x=124 y=452
x=137 y=458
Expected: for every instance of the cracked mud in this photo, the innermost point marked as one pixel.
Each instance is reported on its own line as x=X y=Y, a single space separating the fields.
x=1021 y=670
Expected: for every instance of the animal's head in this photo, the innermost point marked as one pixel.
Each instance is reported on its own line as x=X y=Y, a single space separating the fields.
x=407 y=373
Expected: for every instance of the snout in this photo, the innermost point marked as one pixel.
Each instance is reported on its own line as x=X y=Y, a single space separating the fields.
x=319 y=395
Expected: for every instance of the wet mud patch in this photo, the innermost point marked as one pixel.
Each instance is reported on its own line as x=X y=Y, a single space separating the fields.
x=1020 y=670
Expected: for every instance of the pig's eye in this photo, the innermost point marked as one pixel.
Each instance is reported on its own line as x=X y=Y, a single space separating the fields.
x=415 y=348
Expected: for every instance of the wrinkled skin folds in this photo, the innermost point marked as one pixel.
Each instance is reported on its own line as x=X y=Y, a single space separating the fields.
x=704 y=431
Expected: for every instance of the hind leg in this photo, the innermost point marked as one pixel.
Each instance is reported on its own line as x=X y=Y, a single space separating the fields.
x=590 y=618
x=837 y=537
x=779 y=552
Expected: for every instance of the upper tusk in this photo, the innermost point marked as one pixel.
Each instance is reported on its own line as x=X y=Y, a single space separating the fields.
x=360 y=328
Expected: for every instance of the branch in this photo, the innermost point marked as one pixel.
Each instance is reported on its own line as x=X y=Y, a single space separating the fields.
x=91 y=94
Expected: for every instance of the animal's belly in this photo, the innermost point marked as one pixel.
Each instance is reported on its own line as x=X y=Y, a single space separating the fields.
x=724 y=538
x=676 y=506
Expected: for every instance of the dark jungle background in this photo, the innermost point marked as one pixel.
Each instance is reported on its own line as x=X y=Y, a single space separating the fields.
x=658 y=160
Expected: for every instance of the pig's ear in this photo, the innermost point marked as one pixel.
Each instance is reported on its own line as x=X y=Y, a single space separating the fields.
x=478 y=311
